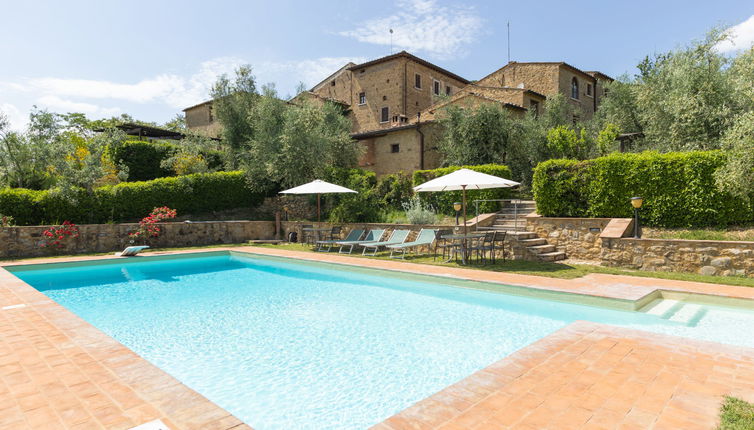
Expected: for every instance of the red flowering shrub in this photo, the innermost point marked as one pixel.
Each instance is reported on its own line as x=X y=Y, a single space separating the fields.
x=58 y=236
x=148 y=225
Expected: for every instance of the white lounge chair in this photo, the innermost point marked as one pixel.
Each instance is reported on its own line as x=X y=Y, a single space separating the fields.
x=131 y=251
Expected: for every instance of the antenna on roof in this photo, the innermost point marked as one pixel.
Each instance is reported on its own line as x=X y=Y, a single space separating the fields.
x=391 y=41
x=509 y=41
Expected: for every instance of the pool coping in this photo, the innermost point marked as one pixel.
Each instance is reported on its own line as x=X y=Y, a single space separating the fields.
x=79 y=344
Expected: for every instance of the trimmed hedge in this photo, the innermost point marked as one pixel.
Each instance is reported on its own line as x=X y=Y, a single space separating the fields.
x=442 y=202
x=144 y=159
x=130 y=201
x=678 y=188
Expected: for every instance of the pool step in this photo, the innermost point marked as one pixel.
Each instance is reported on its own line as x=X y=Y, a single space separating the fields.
x=676 y=310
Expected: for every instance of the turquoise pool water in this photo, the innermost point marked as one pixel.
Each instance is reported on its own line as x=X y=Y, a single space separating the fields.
x=285 y=345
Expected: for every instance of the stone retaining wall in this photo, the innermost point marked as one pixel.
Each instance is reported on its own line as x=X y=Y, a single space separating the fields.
x=583 y=239
x=706 y=257
x=579 y=238
x=16 y=242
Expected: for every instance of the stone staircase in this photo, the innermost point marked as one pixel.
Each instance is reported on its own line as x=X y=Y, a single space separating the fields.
x=512 y=217
x=512 y=220
x=536 y=246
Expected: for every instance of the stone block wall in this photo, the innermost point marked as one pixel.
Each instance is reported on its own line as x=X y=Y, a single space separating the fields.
x=18 y=242
x=706 y=257
x=579 y=238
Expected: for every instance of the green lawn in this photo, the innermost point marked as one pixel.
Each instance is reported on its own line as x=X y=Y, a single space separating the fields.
x=733 y=233
x=736 y=414
x=554 y=270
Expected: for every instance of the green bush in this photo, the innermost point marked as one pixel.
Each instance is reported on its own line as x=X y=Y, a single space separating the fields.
x=442 y=202
x=559 y=186
x=394 y=190
x=678 y=189
x=130 y=201
x=143 y=159
x=361 y=207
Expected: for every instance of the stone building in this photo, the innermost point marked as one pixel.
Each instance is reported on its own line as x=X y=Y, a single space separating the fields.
x=199 y=118
x=517 y=87
x=393 y=102
x=389 y=90
x=584 y=90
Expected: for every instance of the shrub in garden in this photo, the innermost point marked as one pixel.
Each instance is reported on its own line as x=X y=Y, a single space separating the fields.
x=418 y=212
x=148 y=227
x=59 y=236
x=6 y=221
x=394 y=190
x=361 y=207
x=144 y=159
x=678 y=189
x=128 y=201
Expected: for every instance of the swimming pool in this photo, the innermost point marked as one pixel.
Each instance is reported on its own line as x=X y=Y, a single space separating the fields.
x=284 y=344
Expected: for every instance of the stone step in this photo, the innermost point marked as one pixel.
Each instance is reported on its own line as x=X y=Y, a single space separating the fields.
x=541 y=249
x=507 y=229
x=519 y=221
x=533 y=242
x=524 y=235
x=552 y=256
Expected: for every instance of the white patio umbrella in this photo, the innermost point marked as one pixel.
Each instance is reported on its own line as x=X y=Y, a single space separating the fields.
x=318 y=187
x=465 y=179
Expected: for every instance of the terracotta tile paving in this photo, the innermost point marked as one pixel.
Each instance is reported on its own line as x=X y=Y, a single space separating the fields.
x=592 y=376
x=59 y=372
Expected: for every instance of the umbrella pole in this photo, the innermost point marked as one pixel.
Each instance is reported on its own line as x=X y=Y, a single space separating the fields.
x=464 y=208
x=317 y=207
x=465 y=242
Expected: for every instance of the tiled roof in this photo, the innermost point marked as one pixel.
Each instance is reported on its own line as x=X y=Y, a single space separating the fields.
x=412 y=57
x=197 y=105
x=333 y=75
x=559 y=63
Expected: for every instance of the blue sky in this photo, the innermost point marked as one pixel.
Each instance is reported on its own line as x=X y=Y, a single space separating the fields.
x=153 y=58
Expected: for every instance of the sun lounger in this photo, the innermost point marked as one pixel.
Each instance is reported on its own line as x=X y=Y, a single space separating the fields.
x=397 y=237
x=374 y=235
x=131 y=251
x=353 y=235
x=425 y=238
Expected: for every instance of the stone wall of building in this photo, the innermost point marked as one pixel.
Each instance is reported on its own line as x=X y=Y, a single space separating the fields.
x=579 y=238
x=706 y=257
x=17 y=242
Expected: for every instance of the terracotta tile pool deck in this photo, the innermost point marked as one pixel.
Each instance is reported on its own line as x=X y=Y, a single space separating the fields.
x=59 y=372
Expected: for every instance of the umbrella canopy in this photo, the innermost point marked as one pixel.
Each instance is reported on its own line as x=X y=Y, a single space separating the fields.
x=318 y=187
x=465 y=179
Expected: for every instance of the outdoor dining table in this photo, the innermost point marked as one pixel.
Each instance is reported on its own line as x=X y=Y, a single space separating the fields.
x=463 y=240
x=316 y=231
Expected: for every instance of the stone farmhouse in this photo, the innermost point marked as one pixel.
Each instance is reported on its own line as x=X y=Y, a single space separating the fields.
x=393 y=102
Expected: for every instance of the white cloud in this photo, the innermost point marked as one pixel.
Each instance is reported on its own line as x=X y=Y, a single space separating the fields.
x=16 y=119
x=174 y=90
x=57 y=104
x=310 y=72
x=168 y=92
x=423 y=26
x=740 y=37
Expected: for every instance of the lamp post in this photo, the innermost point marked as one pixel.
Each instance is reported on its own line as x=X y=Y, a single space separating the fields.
x=636 y=202
x=457 y=207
